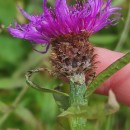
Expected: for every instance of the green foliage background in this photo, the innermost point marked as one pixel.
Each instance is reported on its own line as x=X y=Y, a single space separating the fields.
x=27 y=109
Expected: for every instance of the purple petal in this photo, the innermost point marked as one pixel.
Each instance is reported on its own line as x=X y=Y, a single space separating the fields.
x=16 y=32
x=90 y=16
x=25 y=13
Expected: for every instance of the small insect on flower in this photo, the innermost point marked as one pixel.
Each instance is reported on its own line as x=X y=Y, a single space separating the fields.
x=67 y=29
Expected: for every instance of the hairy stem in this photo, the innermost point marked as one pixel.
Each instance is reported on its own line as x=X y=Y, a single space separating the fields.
x=77 y=91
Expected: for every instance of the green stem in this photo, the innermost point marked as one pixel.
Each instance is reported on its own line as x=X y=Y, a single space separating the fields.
x=125 y=32
x=77 y=91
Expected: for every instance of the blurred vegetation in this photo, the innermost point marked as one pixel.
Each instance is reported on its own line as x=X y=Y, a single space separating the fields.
x=22 y=108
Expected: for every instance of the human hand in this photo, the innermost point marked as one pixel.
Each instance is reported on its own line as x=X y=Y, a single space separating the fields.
x=119 y=82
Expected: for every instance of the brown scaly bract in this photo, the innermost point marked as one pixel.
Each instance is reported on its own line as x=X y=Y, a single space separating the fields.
x=73 y=54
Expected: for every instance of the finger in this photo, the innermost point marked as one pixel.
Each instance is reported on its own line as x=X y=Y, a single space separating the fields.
x=119 y=82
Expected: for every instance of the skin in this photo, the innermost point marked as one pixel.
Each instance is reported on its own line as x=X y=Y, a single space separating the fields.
x=119 y=82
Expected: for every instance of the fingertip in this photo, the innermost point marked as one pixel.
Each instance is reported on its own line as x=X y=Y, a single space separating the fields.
x=119 y=82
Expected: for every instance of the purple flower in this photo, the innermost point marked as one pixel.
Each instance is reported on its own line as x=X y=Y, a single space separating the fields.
x=89 y=16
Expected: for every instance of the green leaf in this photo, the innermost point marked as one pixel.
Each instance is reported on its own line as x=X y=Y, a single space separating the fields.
x=103 y=39
x=97 y=111
x=62 y=101
x=64 y=122
x=26 y=116
x=7 y=11
x=108 y=72
x=44 y=89
x=89 y=112
x=11 y=83
x=37 y=87
x=11 y=52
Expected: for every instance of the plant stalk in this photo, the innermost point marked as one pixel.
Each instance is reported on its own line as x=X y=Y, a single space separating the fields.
x=77 y=99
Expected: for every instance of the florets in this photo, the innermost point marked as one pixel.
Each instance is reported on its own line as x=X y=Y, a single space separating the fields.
x=89 y=16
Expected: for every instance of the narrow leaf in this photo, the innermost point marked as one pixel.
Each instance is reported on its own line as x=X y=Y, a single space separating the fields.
x=62 y=101
x=29 y=118
x=113 y=68
x=37 y=87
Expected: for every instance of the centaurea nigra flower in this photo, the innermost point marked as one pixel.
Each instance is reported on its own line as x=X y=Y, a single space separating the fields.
x=67 y=29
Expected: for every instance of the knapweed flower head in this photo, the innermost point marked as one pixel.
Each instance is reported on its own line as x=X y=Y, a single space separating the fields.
x=67 y=29
x=89 y=16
